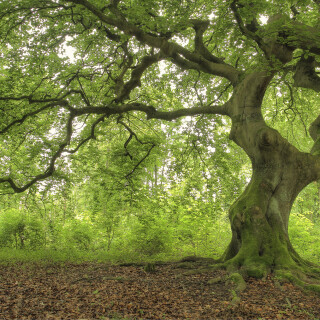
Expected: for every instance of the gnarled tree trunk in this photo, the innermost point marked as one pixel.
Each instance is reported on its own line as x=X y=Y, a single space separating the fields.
x=259 y=218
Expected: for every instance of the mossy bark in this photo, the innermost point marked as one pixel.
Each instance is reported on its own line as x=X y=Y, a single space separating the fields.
x=259 y=218
x=259 y=223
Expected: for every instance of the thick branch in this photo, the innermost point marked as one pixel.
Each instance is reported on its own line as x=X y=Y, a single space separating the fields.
x=305 y=75
x=282 y=35
x=152 y=113
x=243 y=28
x=299 y=35
x=170 y=49
x=136 y=74
x=271 y=46
x=200 y=27
x=288 y=35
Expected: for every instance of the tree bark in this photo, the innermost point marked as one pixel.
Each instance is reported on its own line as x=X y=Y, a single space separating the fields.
x=259 y=218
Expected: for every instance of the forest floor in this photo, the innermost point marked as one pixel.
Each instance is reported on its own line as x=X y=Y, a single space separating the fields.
x=172 y=291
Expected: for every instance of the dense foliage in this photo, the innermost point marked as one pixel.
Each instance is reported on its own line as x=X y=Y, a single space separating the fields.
x=164 y=216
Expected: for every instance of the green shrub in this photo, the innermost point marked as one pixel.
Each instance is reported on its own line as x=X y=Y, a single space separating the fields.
x=76 y=234
x=149 y=239
x=19 y=231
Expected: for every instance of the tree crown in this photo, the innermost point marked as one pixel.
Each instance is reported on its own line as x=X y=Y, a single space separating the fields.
x=73 y=71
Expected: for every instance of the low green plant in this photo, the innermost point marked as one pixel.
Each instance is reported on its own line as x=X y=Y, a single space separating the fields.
x=305 y=236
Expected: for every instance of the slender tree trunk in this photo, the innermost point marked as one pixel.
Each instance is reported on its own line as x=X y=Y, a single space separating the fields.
x=259 y=218
x=155 y=178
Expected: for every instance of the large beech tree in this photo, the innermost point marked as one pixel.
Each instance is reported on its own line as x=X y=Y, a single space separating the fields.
x=72 y=70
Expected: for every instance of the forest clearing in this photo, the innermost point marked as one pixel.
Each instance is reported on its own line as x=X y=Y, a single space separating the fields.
x=137 y=131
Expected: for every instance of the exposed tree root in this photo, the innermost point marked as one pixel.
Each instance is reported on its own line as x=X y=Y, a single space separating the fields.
x=298 y=271
x=294 y=269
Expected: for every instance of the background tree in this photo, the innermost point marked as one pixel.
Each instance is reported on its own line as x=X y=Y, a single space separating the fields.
x=163 y=60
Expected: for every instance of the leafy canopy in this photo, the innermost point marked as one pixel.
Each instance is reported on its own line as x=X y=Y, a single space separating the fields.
x=76 y=71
